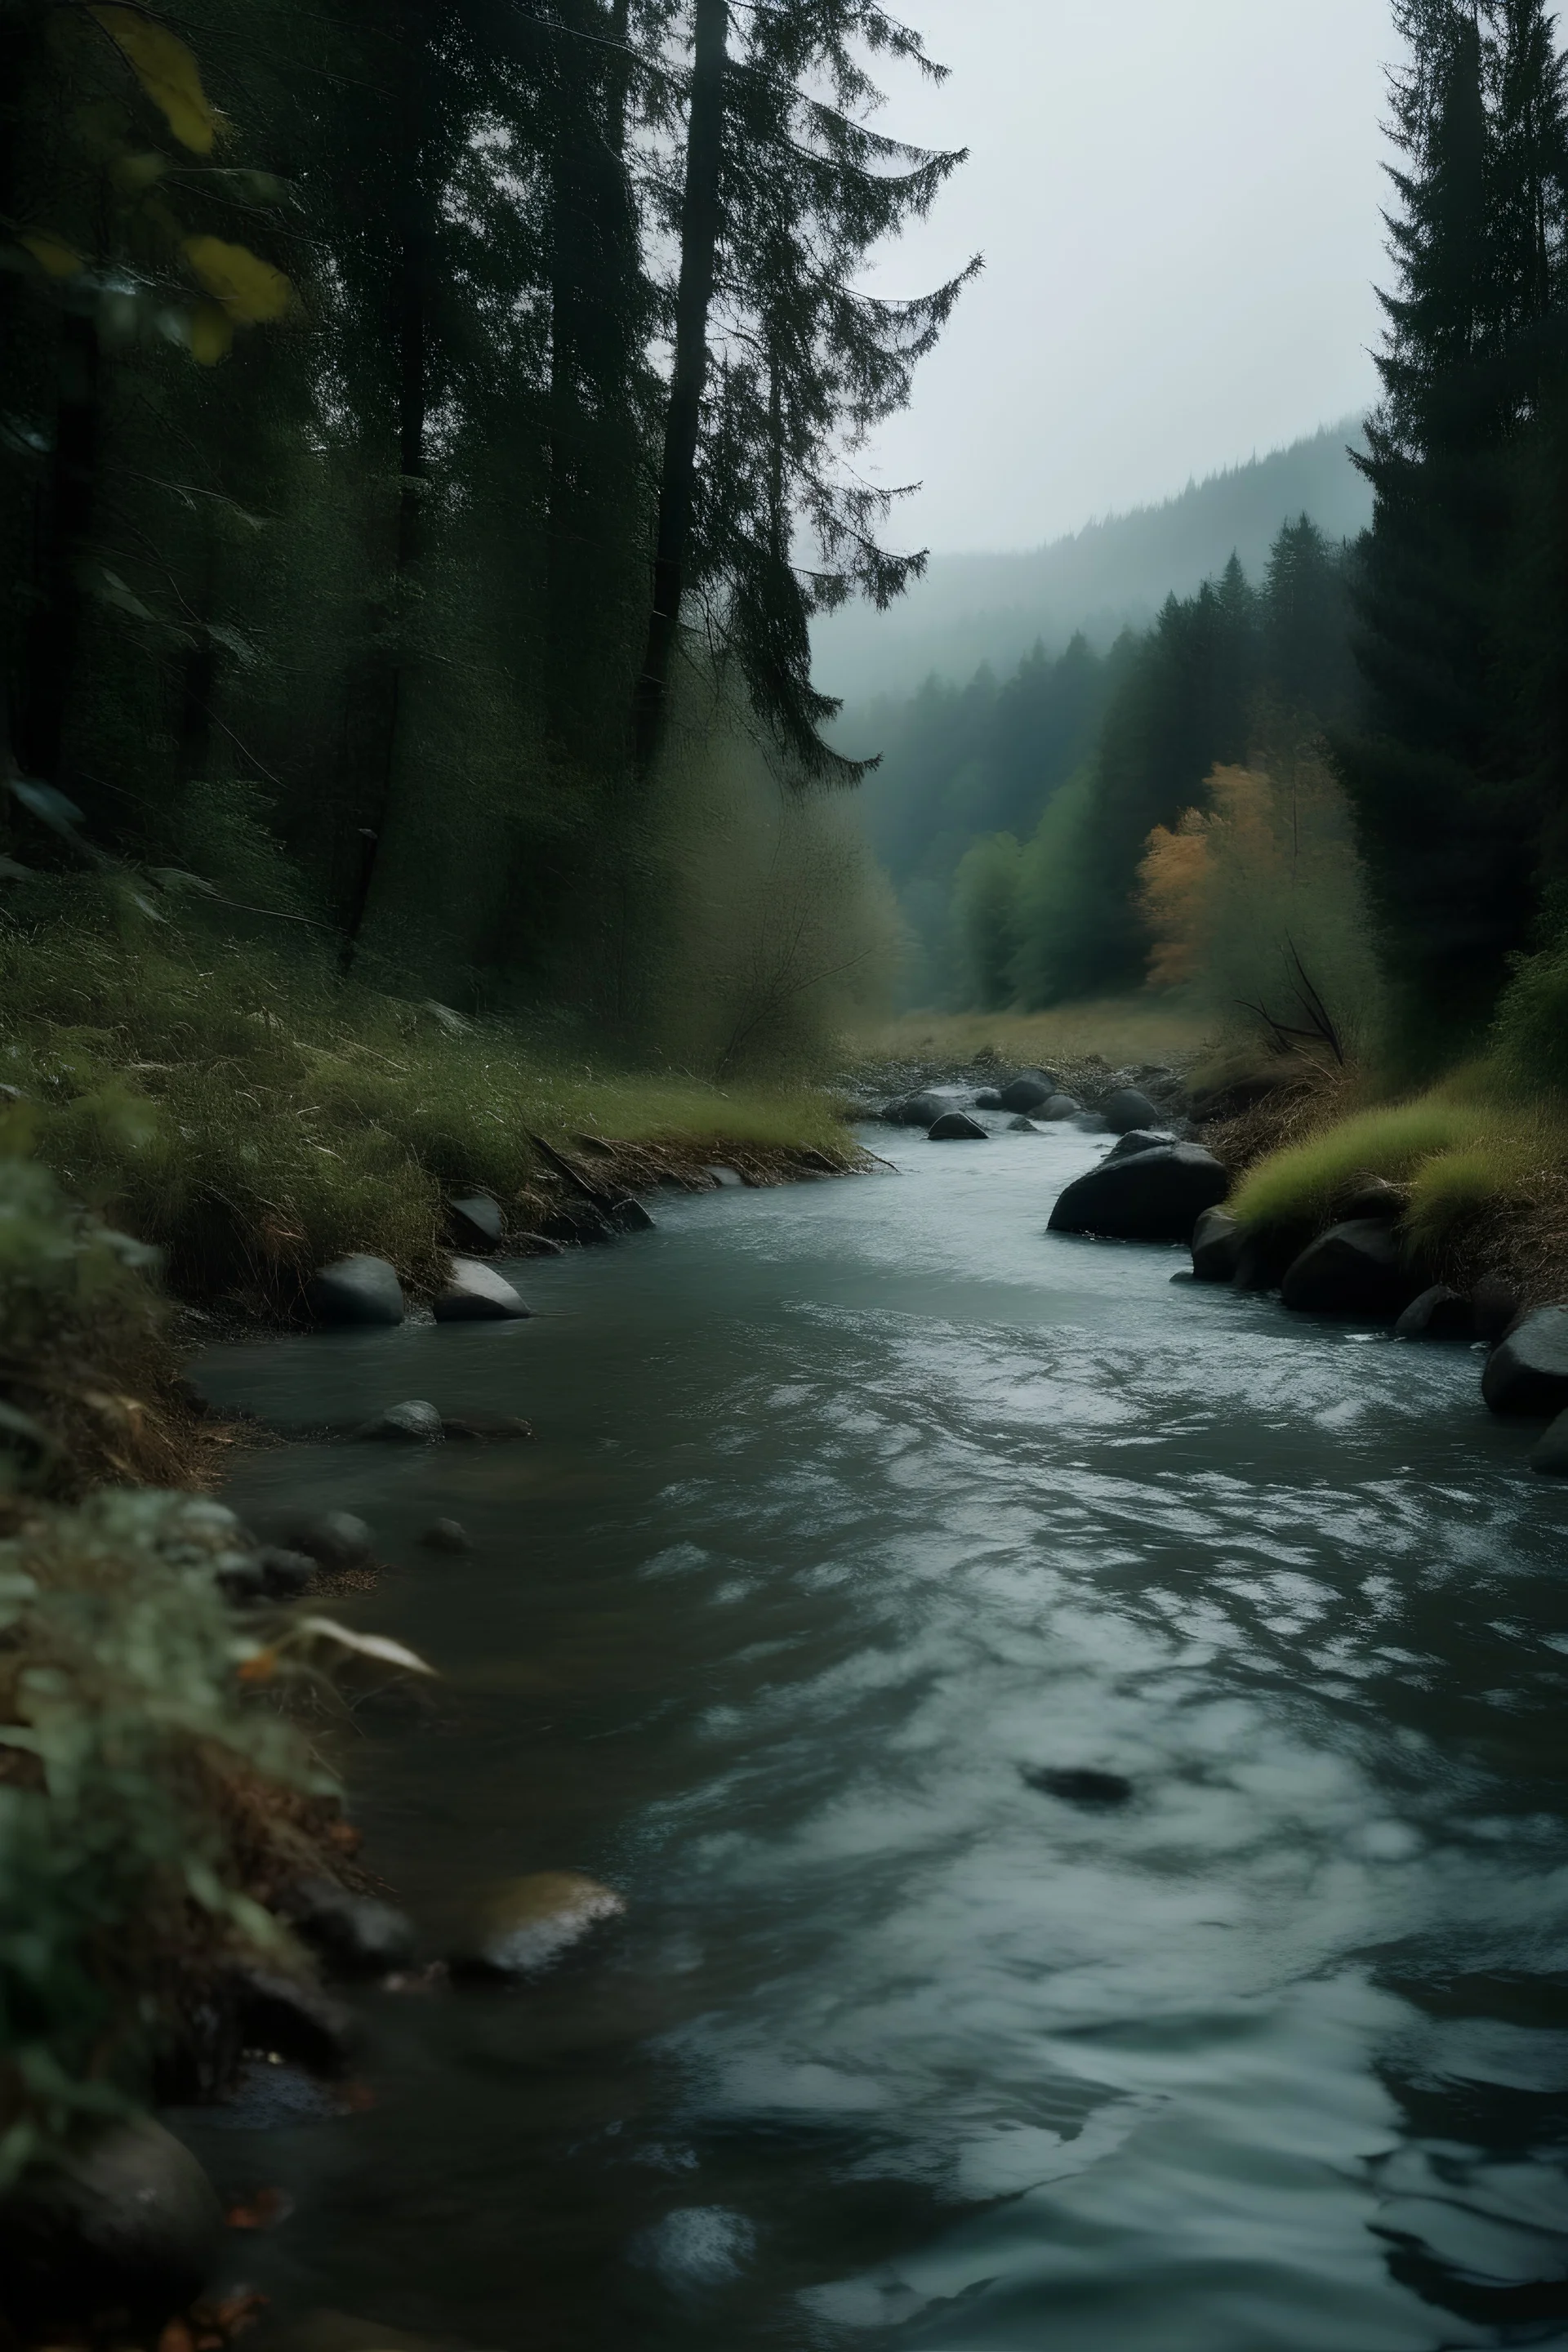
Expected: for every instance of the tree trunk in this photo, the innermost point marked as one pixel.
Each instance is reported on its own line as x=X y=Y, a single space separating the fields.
x=694 y=296
x=409 y=319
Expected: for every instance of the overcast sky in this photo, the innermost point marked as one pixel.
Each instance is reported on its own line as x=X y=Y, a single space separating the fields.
x=1178 y=203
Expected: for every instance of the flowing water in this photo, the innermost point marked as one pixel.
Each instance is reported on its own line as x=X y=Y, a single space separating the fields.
x=853 y=1505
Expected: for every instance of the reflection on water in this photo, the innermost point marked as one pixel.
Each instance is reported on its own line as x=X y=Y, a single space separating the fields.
x=859 y=1517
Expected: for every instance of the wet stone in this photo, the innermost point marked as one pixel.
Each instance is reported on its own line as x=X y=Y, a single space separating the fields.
x=446 y=1535
x=334 y=1540
x=1527 y=1371
x=129 y=2225
x=356 y=1290
x=475 y=1292
x=1081 y=1785
x=475 y=1223
x=957 y=1127
x=415 y=1422
x=1438 y=1313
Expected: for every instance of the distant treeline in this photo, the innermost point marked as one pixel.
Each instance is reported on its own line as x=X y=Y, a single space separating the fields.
x=1380 y=728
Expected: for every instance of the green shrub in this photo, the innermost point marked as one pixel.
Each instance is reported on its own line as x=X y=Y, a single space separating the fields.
x=1298 y=1185
x=1530 y=1033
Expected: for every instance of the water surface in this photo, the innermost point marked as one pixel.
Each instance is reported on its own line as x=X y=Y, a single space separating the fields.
x=852 y=1506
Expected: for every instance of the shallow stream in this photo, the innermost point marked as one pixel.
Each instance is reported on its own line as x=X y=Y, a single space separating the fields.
x=852 y=1505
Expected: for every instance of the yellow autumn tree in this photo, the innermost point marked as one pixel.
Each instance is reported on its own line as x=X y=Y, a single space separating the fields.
x=1264 y=883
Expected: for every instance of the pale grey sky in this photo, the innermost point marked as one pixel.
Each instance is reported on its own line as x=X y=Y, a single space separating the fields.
x=1179 y=205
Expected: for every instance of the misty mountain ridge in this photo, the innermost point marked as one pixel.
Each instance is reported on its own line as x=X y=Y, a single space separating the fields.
x=1113 y=573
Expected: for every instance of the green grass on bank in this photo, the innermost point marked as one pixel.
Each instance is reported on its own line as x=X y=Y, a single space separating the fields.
x=252 y=1119
x=1463 y=1152
x=1120 y=1029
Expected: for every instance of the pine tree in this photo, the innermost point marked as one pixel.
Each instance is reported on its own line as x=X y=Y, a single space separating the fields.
x=779 y=361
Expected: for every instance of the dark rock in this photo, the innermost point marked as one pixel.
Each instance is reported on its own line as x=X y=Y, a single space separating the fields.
x=1027 y=1091
x=446 y=1535
x=631 y=1216
x=1128 y=1108
x=354 y=1933
x=1498 y=1308
x=1021 y=1125
x=335 y=1539
x=989 y=1099
x=241 y=1578
x=1057 y=1106
x=414 y=1423
x=485 y=1428
x=919 y=1110
x=1078 y=1785
x=475 y=1223
x=287 y=2017
x=356 y=1290
x=1549 y=1459
x=1438 y=1313
x=284 y=1574
x=535 y=1245
x=1216 y=1247
x=728 y=1178
x=1156 y=1196
x=1140 y=1138
x=577 y=1224
x=1266 y=1253
x=1369 y=1197
x=1354 y=1270
x=1527 y=1371
x=125 y=2233
x=957 y=1127
x=524 y=1926
x=475 y=1292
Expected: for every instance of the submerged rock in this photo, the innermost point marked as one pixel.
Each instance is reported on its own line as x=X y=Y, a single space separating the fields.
x=1081 y=1785
x=126 y=2232
x=1021 y=1125
x=475 y=1223
x=1438 y=1313
x=957 y=1127
x=631 y=1216
x=1354 y=1270
x=415 y=1422
x=475 y=1292
x=1216 y=1247
x=356 y=1290
x=1126 y=1108
x=524 y=1927
x=446 y=1535
x=334 y=1540
x=485 y=1428
x=1156 y=1196
x=1527 y=1371
x=1026 y=1091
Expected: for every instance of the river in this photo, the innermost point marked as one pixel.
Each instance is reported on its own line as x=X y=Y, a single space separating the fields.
x=853 y=1505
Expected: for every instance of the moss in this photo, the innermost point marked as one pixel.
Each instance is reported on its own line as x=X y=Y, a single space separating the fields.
x=1119 y=1030
x=250 y=1117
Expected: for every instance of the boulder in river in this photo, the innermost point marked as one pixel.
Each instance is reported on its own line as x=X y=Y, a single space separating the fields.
x=1369 y=1197
x=1027 y=1091
x=1438 y=1313
x=957 y=1127
x=332 y=1540
x=1549 y=1459
x=631 y=1216
x=285 y=1573
x=732 y=1179
x=1059 y=1106
x=475 y=1223
x=1216 y=1247
x=1527 y=1371
x=1354 y=1270
x=1156 y=1196
x=989 y=1099
x=119 y=2236
x=356 y=1935
x=1077 y=1784
x=415 y=1422
x=446 y=1535
x=1140 y=1138
x=356 y=1290
x=1266 y=1253
x=1021 y=1125
x=524 y=1926
x=485 y=1428
x=475 y=1292
x=1126 y=1108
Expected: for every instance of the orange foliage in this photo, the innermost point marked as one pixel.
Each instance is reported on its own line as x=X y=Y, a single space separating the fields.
x=1171 y=887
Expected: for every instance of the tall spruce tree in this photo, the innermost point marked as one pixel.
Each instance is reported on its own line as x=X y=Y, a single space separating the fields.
x=1435 y=767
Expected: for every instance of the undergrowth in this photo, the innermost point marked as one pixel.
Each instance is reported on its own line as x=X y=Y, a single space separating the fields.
x=250 y=1117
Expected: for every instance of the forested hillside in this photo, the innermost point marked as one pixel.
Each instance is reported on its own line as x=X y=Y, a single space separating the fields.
x=412 y=417
x=969 y=610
